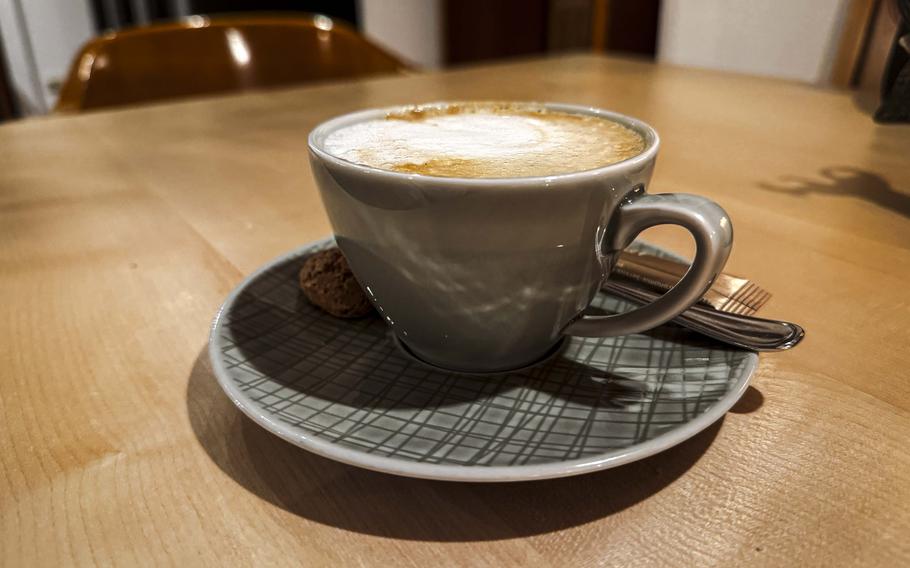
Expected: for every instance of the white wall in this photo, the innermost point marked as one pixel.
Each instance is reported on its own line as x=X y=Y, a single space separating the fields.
x=25 y=81
x=793 y=39
x=40 y=38
x=410 y=29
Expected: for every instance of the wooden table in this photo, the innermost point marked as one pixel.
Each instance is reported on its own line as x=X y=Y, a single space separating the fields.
x=121 y=233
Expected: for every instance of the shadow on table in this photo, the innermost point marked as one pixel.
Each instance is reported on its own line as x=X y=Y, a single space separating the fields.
x=750 y=402
x=374 y=503
x=845 y=181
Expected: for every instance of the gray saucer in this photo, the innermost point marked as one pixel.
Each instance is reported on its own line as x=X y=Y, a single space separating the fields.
x=342 y=389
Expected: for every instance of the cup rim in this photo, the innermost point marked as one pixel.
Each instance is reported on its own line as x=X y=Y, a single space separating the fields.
x=652 y=139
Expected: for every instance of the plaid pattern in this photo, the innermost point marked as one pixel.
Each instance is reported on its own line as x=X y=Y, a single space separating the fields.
x=346 y=383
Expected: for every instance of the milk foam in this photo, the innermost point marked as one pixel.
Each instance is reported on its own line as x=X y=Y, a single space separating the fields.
x=485 y=141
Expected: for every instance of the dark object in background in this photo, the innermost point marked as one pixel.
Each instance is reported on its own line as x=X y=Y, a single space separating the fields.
x=229 y=54
x=895 y=106
x=604 y=26
x=341 y=9
x=118 y=14
x=8 y=108
x=630 y=27
x=569 y=25
x=479 y=30
x=476 y=30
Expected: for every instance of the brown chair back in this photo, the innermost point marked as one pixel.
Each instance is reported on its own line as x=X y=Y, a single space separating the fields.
x=201 y=56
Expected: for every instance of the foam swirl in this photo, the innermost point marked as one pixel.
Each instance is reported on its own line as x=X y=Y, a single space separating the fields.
x=485 y=140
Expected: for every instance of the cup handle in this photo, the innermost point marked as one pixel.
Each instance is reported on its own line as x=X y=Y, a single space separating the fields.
x=713 y=233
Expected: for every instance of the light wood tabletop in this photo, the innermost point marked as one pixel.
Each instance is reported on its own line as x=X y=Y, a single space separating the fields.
x=121 y=233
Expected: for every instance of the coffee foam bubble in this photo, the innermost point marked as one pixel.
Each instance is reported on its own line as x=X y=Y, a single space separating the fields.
x=485 y=141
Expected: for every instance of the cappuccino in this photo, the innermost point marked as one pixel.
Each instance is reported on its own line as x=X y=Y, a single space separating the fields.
x=485 y=140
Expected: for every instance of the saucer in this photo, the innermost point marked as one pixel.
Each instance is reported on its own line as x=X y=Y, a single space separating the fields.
x=343 y=389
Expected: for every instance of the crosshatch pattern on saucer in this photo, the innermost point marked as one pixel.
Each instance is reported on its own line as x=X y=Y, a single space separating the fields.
x=346 y=383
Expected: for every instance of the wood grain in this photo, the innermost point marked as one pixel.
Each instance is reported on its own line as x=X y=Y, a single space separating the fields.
x=121 y=232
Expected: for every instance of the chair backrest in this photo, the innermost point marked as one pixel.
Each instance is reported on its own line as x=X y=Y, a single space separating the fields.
x=200 y=56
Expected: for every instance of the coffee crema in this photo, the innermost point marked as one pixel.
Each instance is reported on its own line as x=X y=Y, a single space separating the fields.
x=485 y=140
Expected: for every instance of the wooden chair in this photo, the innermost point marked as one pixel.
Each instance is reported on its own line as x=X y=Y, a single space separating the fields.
x=201 y=56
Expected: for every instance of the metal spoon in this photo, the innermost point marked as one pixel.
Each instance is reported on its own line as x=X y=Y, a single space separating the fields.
x=742 y=331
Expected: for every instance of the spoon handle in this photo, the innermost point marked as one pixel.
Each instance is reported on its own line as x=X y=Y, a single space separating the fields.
x=742 y=331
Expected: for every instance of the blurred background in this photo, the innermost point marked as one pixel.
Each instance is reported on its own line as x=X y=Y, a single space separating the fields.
x=845 y=43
